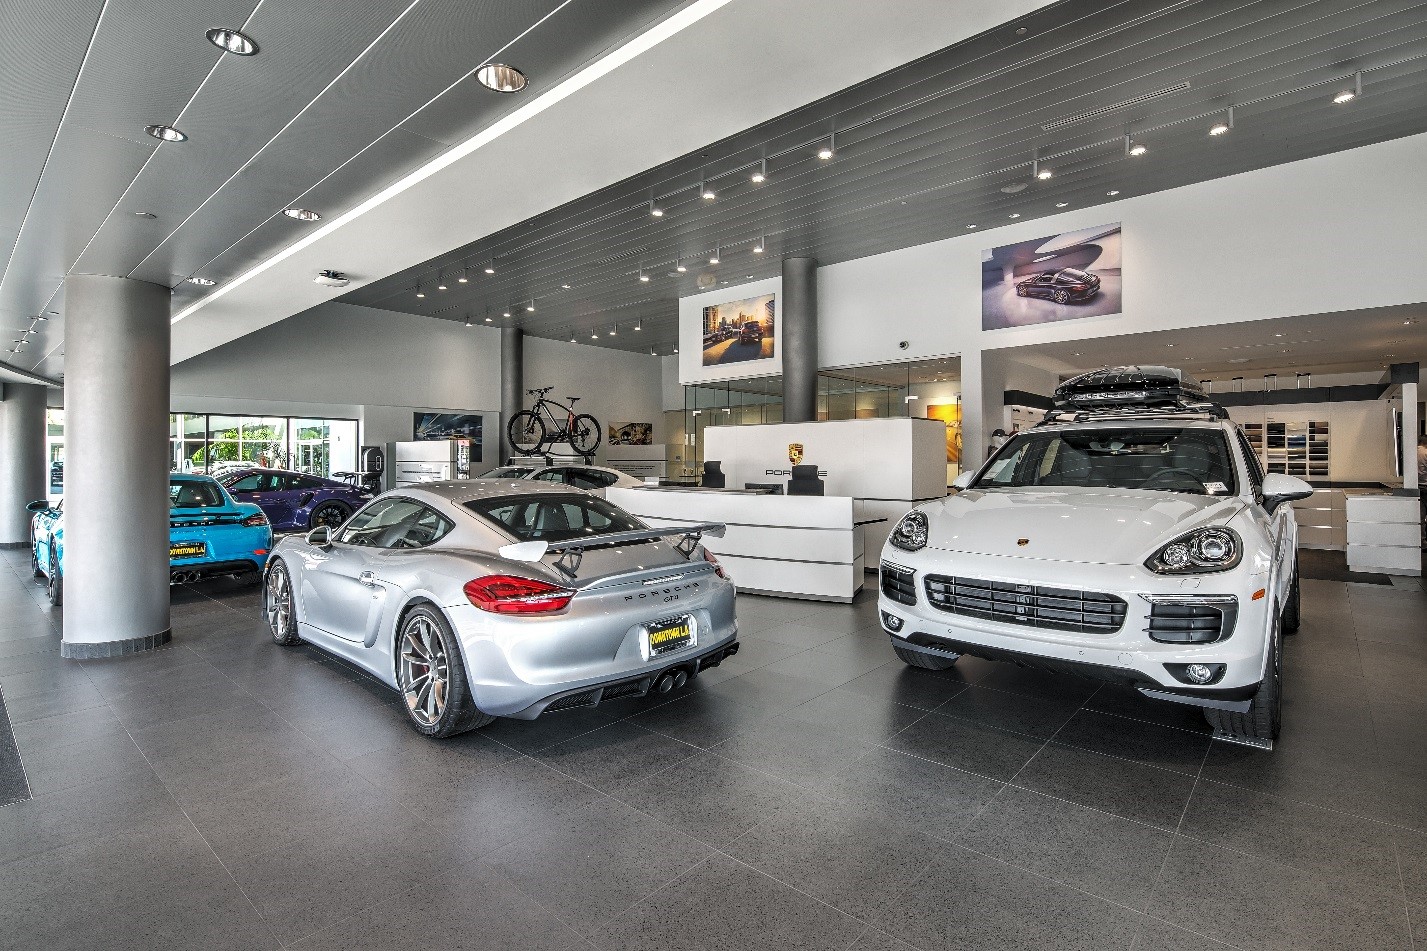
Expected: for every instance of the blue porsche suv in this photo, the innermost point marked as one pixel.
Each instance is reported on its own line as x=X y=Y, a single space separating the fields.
x=208 y=535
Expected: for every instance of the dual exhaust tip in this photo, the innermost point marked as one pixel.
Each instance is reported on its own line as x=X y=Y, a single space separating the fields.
x=184 y=577
x=671 y=680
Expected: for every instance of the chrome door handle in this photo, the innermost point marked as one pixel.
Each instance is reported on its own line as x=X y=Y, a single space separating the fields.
x=368 y=579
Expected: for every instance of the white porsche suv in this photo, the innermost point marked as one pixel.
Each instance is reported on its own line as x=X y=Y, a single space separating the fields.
x=1131 y=537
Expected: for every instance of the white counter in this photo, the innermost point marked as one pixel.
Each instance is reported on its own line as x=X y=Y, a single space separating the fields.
x=799 y=546
x=1384 y=533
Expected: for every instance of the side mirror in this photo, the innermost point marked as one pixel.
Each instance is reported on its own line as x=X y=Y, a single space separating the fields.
x=38 y=506
x=320 y=537
x=964 y=480
x=1279 y=488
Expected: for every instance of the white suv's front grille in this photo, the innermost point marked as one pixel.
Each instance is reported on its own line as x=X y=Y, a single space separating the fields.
x=1059 y=609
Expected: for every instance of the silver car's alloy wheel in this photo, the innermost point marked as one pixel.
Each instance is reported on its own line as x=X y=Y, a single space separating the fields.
x=279 y=601
x=425 y=670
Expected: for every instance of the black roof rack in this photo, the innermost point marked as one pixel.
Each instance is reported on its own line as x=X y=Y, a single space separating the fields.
x=1133 y=392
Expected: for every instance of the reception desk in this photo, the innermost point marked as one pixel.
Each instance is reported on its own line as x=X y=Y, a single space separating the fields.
x=799 y=546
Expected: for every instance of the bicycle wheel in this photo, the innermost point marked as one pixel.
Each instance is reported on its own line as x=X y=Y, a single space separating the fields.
x=526 y=432
x=585 y=434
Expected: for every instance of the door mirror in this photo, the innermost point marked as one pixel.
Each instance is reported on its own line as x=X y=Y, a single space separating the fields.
x=38 y=506
x=964 y=480
x=1279 y=488
x=320 y=537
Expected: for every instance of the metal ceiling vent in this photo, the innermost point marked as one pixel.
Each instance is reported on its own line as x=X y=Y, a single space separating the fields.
x=1106 y=110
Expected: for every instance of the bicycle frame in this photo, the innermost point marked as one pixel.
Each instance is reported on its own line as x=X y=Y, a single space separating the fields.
x=560 y=429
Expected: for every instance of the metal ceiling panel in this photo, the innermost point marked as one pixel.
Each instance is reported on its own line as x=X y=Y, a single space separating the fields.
x=923 y=151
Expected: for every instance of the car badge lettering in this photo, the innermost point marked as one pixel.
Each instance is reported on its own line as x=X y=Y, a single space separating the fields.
x=664 y=580
x=795 y=453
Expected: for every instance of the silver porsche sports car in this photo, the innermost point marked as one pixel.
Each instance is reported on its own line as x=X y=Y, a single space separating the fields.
x=484 y=599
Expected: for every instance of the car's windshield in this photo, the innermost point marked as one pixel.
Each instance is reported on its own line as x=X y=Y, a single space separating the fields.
x=1163 y=458
x=555 y=518
x=194 y=495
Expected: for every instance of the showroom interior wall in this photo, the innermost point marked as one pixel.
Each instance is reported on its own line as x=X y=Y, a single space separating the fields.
x=613 y=385
x=1334 y=233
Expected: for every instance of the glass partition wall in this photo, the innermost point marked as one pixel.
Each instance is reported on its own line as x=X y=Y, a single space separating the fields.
x=202 y=442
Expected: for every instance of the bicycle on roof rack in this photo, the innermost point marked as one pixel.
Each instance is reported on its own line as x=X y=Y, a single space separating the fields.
x=532 y=430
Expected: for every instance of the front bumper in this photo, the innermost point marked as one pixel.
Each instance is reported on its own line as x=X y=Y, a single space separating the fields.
x=1128 y=655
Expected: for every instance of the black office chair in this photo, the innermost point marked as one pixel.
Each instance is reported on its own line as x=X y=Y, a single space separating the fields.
x=713 y=475
x=805 y=481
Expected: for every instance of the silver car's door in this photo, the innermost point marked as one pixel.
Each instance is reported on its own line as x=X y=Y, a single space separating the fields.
x=340 y=590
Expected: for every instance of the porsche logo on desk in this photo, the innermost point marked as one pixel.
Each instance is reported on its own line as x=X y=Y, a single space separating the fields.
x=795 y=453
x=1023 y=542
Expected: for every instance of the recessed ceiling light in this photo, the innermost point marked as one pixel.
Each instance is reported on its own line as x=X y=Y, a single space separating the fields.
x=145 y=214
x=239 y=44
x=501 y=78
x=1014 y=187
x=970 y=226
x=1014 y=214
x=1061 y=204
x=202 y=281
x=1113 y=192
x=165 y=132
x=302 y=214
x=565 y=286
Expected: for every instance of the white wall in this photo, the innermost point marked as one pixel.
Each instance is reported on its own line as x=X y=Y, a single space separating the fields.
x=613 y=385
x=1351 y=217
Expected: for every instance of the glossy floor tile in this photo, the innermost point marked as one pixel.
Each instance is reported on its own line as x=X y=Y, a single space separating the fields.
x=812 y=793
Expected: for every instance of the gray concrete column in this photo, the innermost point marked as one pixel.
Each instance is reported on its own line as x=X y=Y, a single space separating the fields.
x=23 y=467
x=512 y=383
x=800 y=340
x=116 y=389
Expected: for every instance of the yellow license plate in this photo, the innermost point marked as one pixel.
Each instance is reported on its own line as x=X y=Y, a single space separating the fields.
x=670 y=636
x=189 y=550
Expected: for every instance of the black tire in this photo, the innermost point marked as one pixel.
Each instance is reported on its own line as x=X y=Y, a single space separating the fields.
x=526 y=433
x=282 y=624
x=54 y=581
x=585 y=435
x=1062 y=297
x=925 y=661
x=331 y=514
x=1261 y=721
x=425 y=645
x=35 y=563
x=1291 y=614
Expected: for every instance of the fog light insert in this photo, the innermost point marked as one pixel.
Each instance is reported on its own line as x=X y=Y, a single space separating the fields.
x=891 y=622
x=1198 y=675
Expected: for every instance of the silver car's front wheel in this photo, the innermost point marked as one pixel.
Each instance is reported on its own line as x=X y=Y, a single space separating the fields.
x=432 y=678
x=277 y=605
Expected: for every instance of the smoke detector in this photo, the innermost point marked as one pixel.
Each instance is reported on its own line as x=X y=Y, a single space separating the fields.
x=332 y=279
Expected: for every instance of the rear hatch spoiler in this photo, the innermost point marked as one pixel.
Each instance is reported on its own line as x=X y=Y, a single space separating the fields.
x=572 y=550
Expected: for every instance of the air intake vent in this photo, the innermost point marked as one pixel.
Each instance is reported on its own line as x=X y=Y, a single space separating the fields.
x=1106 y=110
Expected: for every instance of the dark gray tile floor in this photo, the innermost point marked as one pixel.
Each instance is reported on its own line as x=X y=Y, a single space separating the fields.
x=811 y=793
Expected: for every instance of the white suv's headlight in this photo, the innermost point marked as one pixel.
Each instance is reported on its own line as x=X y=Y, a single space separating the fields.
x=911 y=532
x=1200 y=551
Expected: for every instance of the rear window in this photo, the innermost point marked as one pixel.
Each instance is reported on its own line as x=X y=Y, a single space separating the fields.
x=1167 y=459
x=194 y=495
x=555 y=518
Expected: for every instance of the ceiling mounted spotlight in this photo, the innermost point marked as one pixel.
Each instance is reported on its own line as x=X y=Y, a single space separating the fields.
x=1061 y=204
x=1113 y=192
x=654 y=210
x=1224 y=125
x=530 y=307
x=505 y=314
x=639 y=324
x=572 y=336
x=45 y=316
x=713 y=258
x=1134 y=148
x=970 y=226
x=501 y=78
x=679 y=266
x=441 y=286
x=760 y=174
x=1039 y=171
x=1014 y=214
x=420 y=292
x=827 y=151
x=167 y=133
x=231 y=41
x=614 y=331
x=302 y=214
x=468 y=320
x=202 y=281
x=1348 y=95
x=489 y=320
x=643 y=277
x=706 y=191
x=594 y=335
x=490 y=268
x=758 y=248
x=145 y=214
x=462 y=279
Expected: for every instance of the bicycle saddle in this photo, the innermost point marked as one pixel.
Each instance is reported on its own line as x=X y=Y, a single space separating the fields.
x=573 y=399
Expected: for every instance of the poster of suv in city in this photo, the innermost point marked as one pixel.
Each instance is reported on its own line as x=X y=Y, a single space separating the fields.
x=739 y=331
x=1060 y=277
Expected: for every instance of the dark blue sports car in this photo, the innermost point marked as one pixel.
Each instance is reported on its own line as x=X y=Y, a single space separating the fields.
x=294 y=501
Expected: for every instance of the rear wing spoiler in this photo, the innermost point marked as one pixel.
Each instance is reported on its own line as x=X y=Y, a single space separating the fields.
x=573 y=549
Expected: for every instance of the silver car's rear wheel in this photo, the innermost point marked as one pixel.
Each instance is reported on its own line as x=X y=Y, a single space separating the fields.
x=432 y=678
x=277 y=605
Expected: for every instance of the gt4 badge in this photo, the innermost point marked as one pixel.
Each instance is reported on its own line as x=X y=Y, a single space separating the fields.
x=795 y=453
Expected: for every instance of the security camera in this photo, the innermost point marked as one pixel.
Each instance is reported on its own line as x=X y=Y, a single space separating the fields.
x=332 y=279
x=902 y=344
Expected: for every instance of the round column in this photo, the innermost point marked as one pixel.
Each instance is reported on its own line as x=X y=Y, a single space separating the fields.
x=800 y=340
x=23 y=467
x=116 y=392
x=512 y=384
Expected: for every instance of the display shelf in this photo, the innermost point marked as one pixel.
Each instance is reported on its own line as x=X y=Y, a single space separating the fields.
x=1299 y=449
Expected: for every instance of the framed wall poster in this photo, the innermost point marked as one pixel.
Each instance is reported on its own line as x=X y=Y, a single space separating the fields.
x=949 y=413
x=631 y=434
x=449 y=426
x=740 y=330
x=732 y=333
x=1059 y=277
